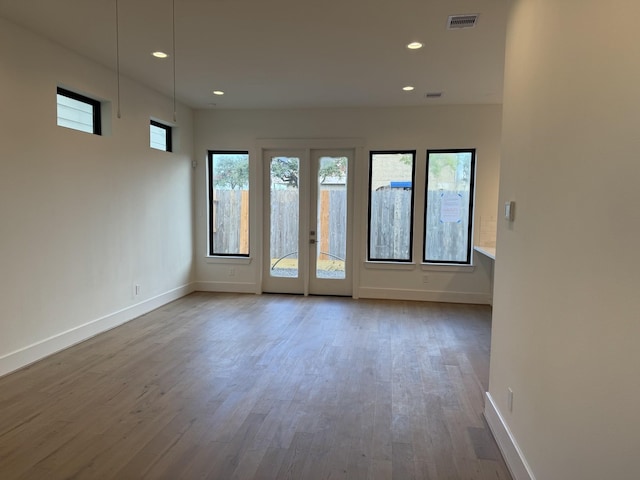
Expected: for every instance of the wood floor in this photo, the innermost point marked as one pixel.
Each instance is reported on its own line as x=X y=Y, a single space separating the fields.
x=229 y=386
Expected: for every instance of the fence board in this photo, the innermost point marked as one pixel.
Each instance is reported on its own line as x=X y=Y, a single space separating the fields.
x=446 y=240
x=390 y=227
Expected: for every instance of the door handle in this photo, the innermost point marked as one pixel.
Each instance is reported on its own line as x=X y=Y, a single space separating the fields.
x=312 y=241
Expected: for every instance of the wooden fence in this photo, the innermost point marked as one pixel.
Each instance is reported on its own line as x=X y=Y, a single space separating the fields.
x=331 y=229
x=284 y=214
x=447 y=240
x=230 y=221
x=390 y=228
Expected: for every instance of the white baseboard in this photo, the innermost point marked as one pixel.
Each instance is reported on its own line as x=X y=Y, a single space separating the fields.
x=362 y=292
x=511 y=452
x=37 y=351
x=424 y=296
x=226 y=287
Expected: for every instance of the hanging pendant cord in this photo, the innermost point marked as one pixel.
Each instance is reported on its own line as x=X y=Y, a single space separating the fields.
x=118 y=56
x=173 y=5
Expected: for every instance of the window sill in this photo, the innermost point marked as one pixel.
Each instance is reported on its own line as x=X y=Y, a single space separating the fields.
x=451 y=268
x=228 y=259
x=486 y=251
x=390 y=265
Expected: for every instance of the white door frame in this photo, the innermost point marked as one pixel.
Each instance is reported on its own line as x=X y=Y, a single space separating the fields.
x=289 y=146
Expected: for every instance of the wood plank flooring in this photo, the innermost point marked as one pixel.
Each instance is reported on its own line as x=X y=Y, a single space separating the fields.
x=225 y=386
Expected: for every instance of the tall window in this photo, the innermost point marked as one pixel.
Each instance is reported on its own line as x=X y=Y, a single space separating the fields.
x=160 y=136
x=391 y=178
x=449 y=206
x=228 y=203
x=78 y=112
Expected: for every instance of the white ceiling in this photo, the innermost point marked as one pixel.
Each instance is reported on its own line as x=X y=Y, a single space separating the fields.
x=287 y=53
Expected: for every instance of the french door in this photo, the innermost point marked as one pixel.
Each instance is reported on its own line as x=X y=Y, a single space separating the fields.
x=307 y=236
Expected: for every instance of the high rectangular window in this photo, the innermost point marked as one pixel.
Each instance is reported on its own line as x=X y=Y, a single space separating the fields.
x=228 y=202
x=391 y=178
x=449 y=206
x=160 y=136
x=78 y=112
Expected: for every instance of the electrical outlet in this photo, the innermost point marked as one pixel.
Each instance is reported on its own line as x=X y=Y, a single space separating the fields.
x=232 y=271
x=425 y=279
x=510 y=399
x=137 y=289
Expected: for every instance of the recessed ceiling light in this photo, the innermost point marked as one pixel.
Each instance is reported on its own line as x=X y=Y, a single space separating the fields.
x=160 y=54
x=218 y=92
x=414 y=45
x=408 y=88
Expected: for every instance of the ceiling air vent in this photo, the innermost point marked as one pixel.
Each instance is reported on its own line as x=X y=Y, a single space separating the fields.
x=462 y=21
x=433 y=95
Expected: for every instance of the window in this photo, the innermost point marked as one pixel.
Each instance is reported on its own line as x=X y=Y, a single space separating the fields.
x=228 y=203
x=160 y=136
x=391 y=176
x=449 y=206
x=78 y=112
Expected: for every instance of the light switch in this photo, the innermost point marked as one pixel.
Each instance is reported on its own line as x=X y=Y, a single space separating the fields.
x=509 y=210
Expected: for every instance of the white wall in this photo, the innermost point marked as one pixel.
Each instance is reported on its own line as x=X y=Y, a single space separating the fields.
x=566 y=320
x=375 y=129
x=83 y=217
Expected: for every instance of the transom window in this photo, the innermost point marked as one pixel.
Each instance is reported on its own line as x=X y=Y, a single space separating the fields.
x=78 y=112
x=160 y=136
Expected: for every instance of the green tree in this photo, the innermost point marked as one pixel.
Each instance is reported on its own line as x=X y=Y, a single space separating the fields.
x=231 y=171
x=286 y=169
x=406 y=158
x=332 y=167
x=456 y=165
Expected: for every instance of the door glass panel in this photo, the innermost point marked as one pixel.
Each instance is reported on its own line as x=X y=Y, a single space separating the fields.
x=285 y=201
x=331 y=228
